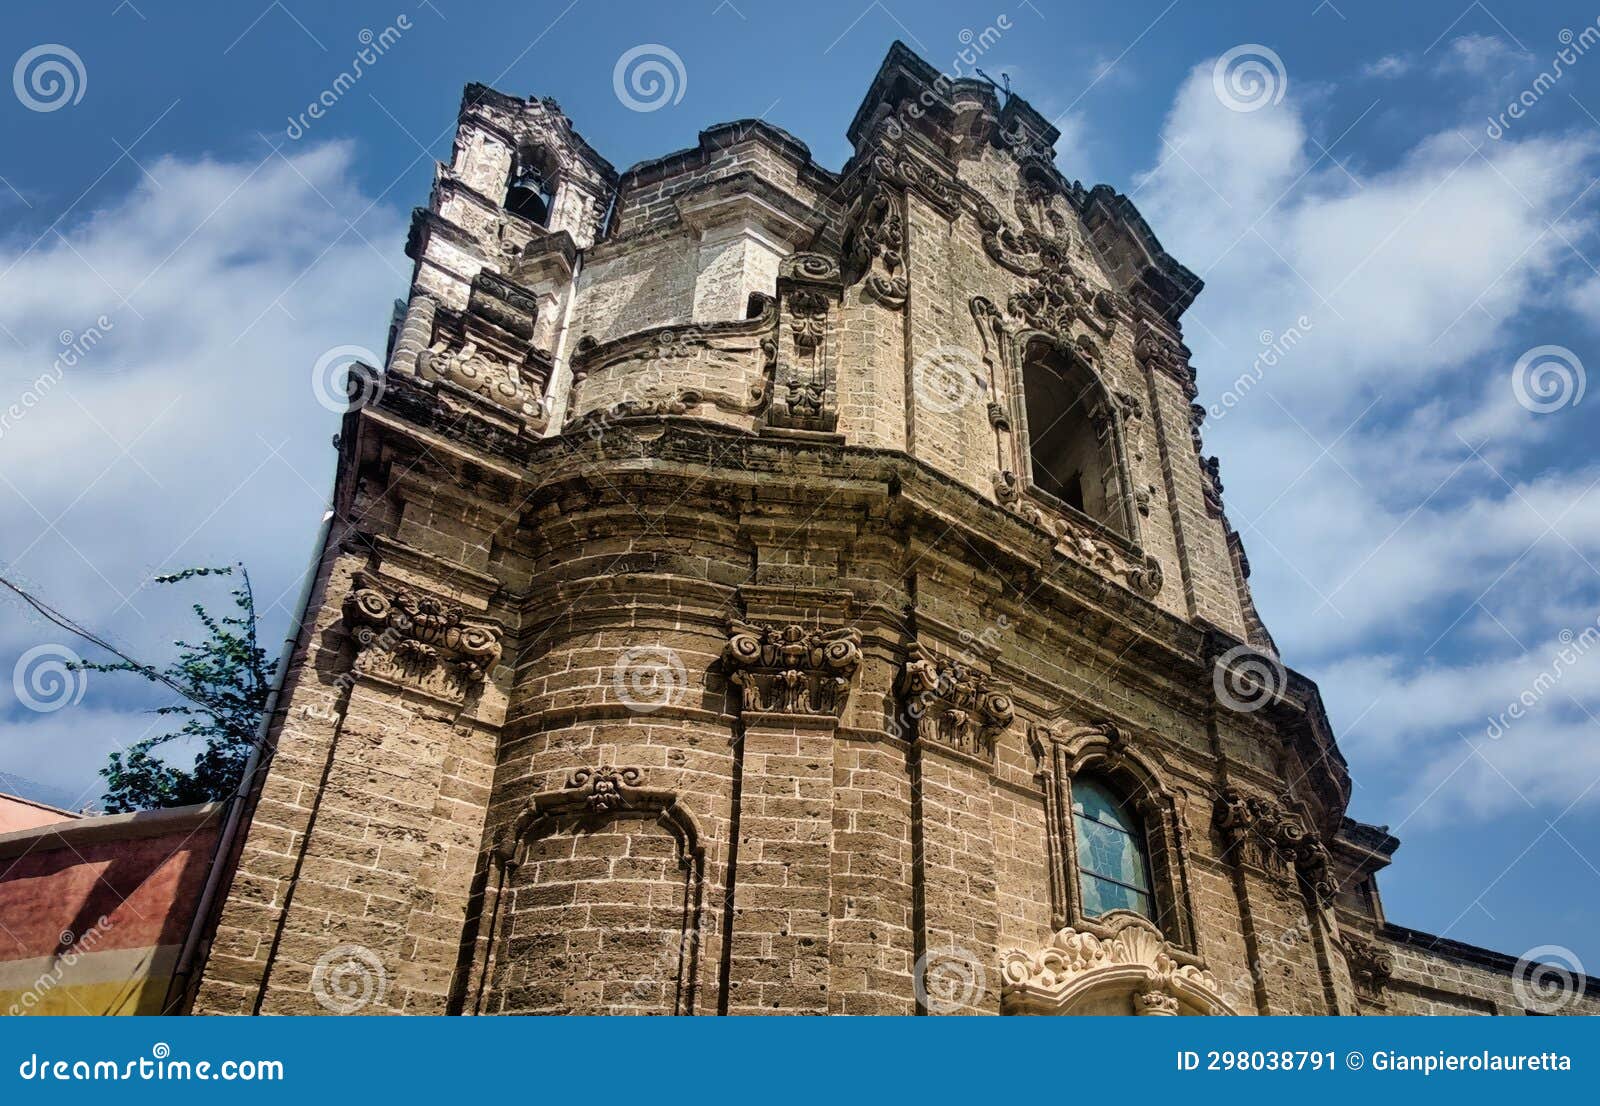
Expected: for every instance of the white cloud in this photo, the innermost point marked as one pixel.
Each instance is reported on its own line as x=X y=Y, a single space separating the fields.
x=1387 y=67
x=1482 y=56
x=191 y=434
x=1380 y=539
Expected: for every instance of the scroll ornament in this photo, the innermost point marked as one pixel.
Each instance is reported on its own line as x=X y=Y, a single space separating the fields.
x=790 y=669
x=953 y=703
x=1282 y=838
x=1073 y=959
x=1074 y=540
x=420 y=630
x=497 y=381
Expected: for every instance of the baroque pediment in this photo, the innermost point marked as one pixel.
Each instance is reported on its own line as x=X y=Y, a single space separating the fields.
x=1127 y=968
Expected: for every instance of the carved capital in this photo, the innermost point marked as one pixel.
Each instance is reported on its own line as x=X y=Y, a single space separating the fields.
x=605 y=789
x=1278 y=838
x=953 y=704
x=791 y=669
x=401 y=632
x=1370 y=965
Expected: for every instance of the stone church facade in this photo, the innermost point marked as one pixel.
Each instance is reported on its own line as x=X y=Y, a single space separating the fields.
x=763 y=589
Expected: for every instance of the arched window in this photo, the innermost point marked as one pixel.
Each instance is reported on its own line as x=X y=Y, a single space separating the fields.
x=533 y=186
x=1113 y=862
x=1070 y=452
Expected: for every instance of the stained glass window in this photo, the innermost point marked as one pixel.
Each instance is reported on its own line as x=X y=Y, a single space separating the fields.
x=1113 y=870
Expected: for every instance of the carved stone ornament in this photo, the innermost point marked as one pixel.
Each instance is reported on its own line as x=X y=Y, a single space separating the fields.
x=497 y=381
x=953 y=704
x=1129 y=968
x=876 y=249
x=1370 y=965
x=808 y=317
x=1057 y=295
x=790 y=669
x=402 y=631
x=1074 y=539
x=605 y=788
x=802 y=370
x=1279 y=839
x=1160 y=354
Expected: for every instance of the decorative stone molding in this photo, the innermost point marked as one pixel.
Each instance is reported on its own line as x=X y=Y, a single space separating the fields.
x=1131 y=970
x=791 y=669
x=1057 y=295
x=953 y=704
x=1278 y=838
x=876 y=247
x=662 y=370
x=1155 y=1002
x=933 y=185
x=803 y=370
x=1158 y=353
x=1370 y=966
x=1139 y=573
x=808 y=318
x=403 y=632
x=595 y=795
x=499 y=382
x=605 y=787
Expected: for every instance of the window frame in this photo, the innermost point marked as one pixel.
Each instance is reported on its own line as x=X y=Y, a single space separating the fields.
x=1066 y=751
x=1026 y=348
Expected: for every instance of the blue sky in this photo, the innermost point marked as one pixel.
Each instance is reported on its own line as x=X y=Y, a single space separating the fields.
x=1421 y=540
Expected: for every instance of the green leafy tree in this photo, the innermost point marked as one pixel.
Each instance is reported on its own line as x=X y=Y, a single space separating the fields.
x=224 y=681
